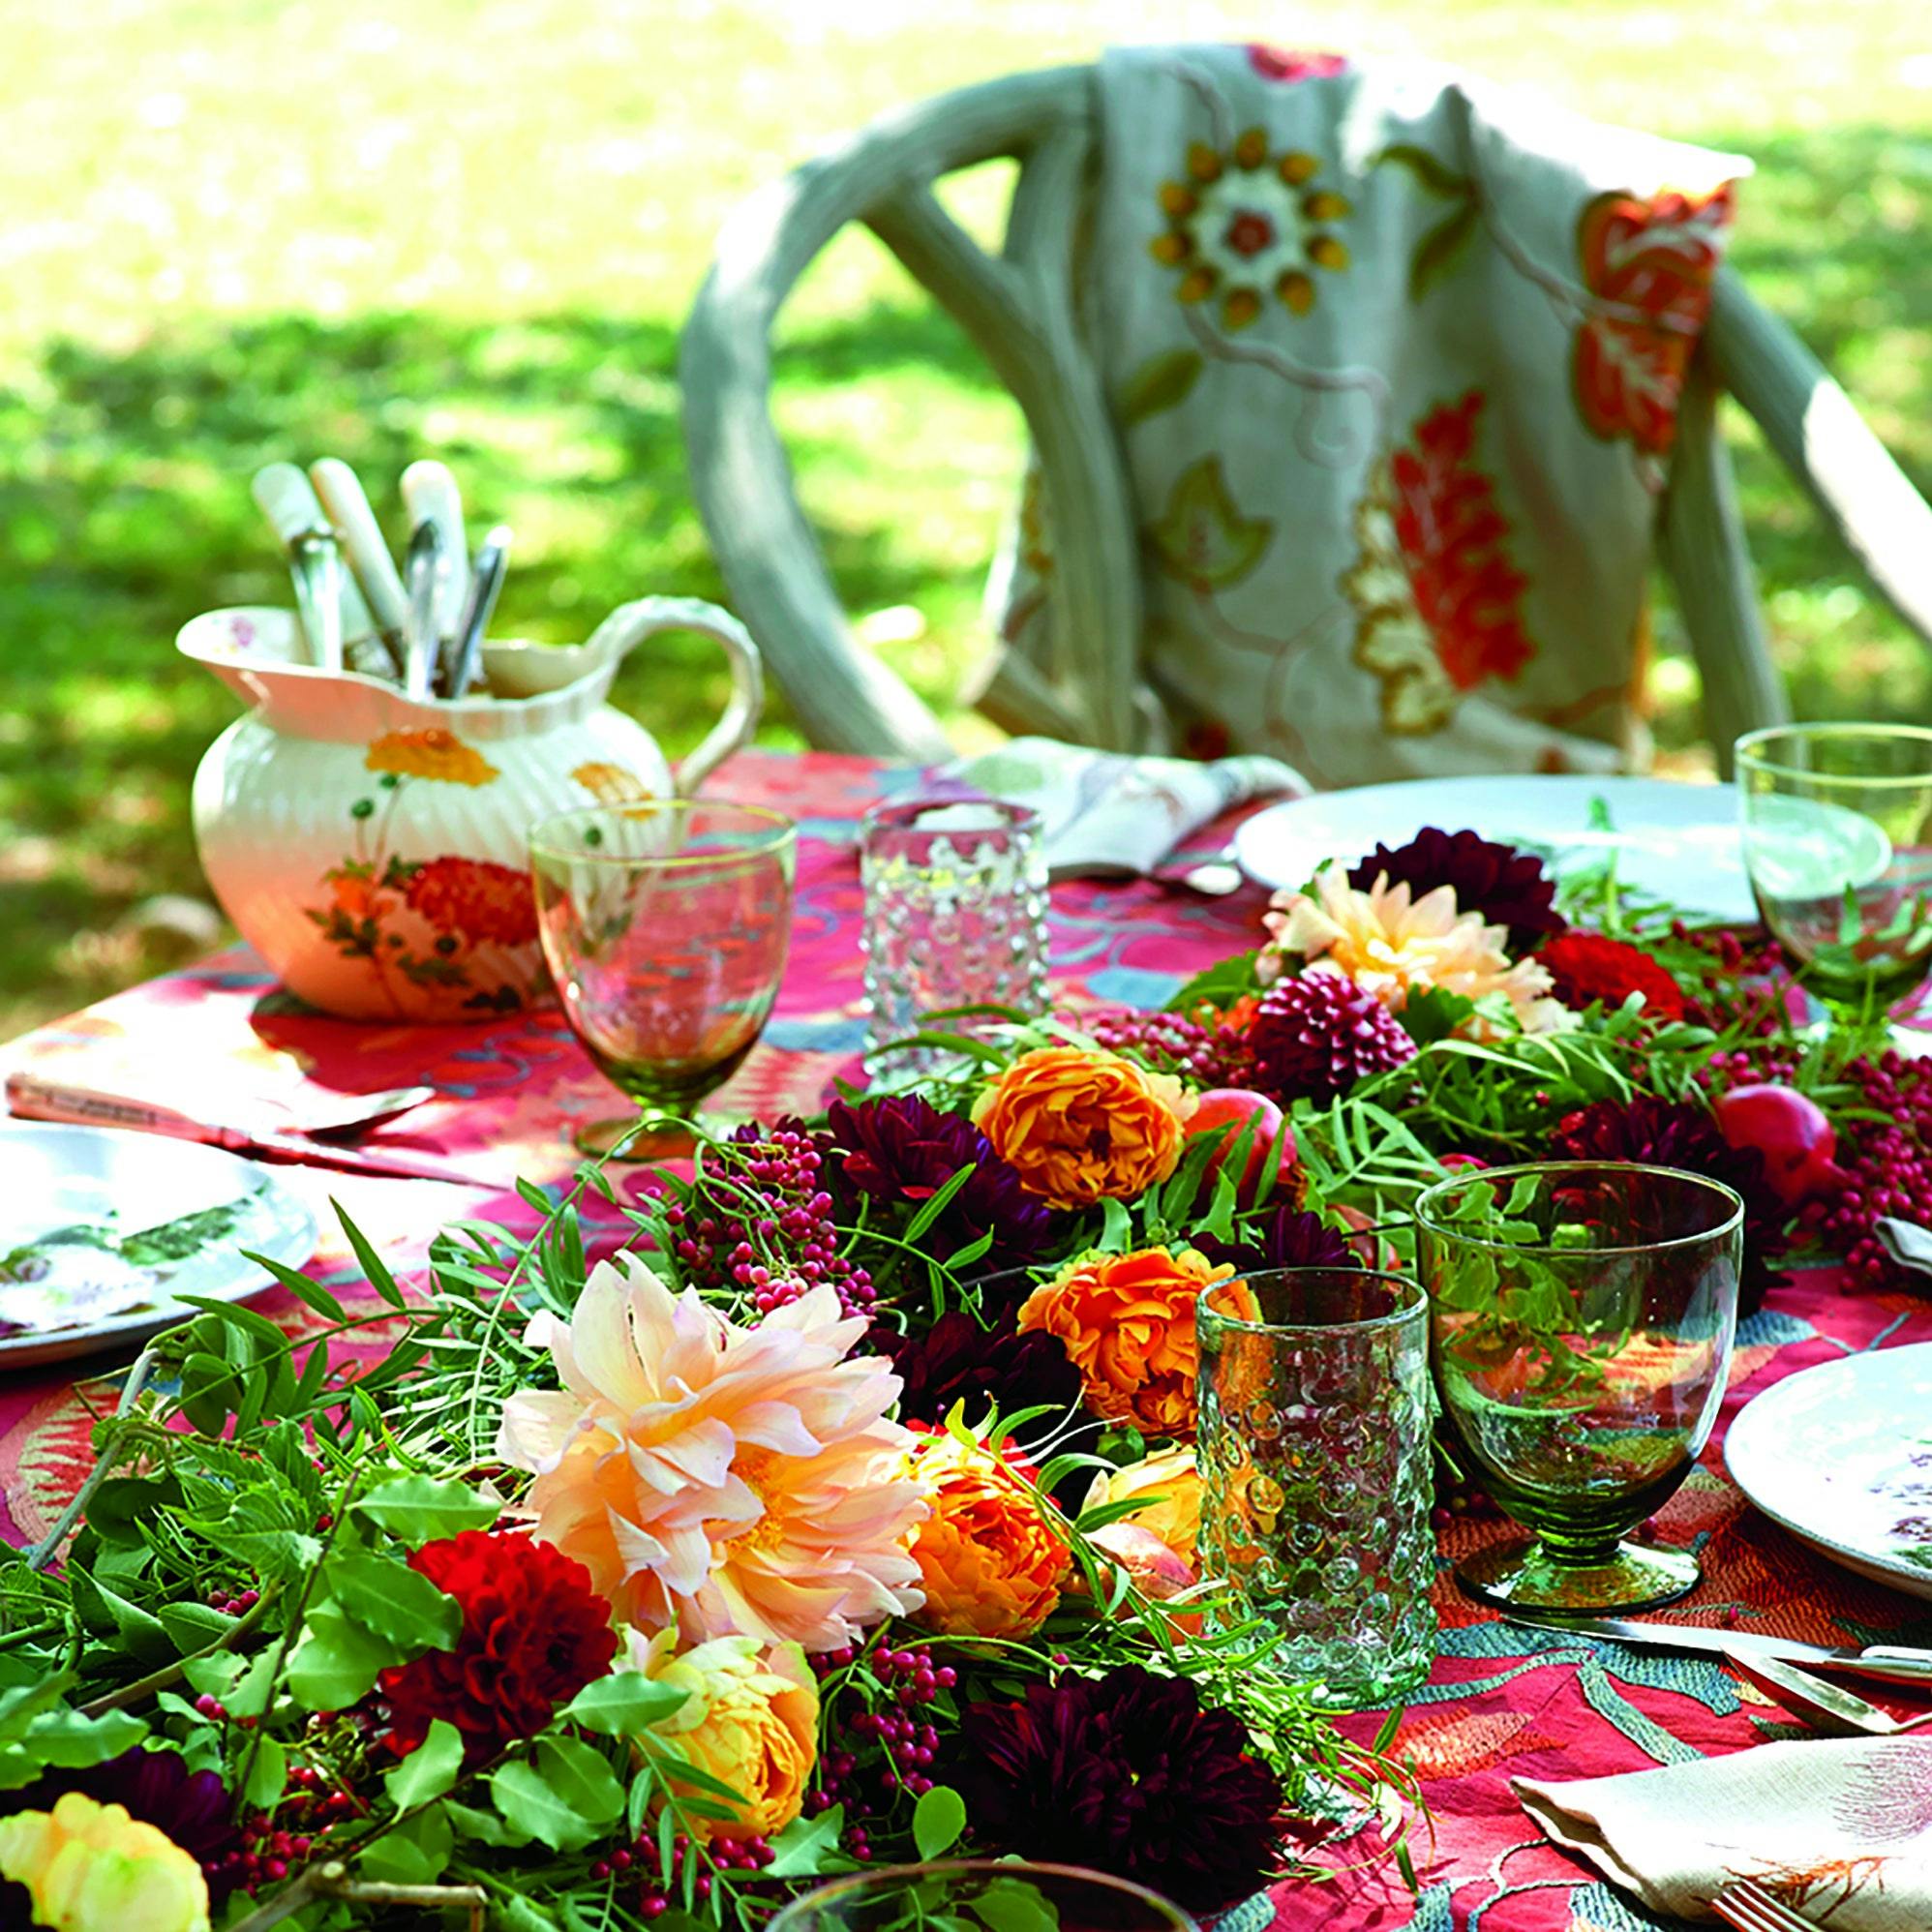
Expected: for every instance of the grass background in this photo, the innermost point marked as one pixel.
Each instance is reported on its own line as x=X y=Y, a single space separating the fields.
x=239 y=231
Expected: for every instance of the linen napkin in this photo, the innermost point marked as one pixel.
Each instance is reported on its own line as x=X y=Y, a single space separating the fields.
x=1107 y=814
x=1840 y=1829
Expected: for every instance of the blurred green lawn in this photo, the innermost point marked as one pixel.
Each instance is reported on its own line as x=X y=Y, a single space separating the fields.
x=239 y=231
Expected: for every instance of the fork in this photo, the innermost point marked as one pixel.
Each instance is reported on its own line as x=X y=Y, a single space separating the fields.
x=1750 y=1908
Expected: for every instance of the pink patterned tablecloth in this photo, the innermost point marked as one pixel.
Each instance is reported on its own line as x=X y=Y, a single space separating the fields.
x=1500 y=1701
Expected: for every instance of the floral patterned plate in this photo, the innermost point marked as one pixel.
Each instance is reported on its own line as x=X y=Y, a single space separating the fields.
x=101 y=1230
x=1841 y=1455
x=1677 y=842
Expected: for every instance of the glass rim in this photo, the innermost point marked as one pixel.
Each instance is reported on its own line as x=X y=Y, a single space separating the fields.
x=882 y=817
x=1415 y=1304
x=1750 y=750
x=1733 y=1222
x=847 y=1883
x=781 y=833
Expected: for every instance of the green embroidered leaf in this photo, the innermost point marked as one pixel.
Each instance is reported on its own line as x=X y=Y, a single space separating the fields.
x=1161 y=382
x=1436 y=176
x=1437 y=252
x=1201 y=538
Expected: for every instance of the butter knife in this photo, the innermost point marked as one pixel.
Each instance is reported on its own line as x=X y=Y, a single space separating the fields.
x=1895 y=1663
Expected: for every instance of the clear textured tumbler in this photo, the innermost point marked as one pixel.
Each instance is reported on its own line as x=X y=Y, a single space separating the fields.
x=1314 y=1453
x=955 y=911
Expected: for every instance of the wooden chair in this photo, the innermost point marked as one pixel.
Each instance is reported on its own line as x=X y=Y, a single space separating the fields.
x=1017 y=308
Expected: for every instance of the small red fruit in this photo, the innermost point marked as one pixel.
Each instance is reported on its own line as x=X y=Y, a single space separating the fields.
x=1789 y=1129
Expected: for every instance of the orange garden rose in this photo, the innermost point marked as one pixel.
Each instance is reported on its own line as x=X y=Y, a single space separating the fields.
x=1172 y=1483
x=430 y=752
x=749 y=1719
x=990 y=1560
x=1127 y=1323
x=1082 y=1126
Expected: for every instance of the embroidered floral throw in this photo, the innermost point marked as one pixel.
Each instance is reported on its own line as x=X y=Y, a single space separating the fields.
x=1395 y=360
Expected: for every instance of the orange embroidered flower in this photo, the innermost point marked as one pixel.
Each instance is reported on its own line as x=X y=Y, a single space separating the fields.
x=990 y=1560
x=1128 y=1325
x=611 y=784
x=430 y=753
x=474 y=898
x=1082 y=1127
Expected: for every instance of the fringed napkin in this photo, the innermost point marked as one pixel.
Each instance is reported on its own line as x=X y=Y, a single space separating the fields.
x=1840 y=1829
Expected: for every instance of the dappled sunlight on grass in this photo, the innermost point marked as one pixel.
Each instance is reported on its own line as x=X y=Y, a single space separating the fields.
x=241 y=234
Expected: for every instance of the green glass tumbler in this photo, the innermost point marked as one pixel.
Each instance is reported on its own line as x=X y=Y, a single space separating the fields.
x=1582 y=1317
x=1314 y=1456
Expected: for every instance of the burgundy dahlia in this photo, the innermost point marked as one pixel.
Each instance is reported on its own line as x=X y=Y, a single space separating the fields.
x=534 y=1633
x=901 y=1150
x=1126 y=1774
x=1684 y=1134
x=191 y=1808
x=956 y=1360
x=1291 y=1237
x=1316 y=1033
x=1507 y=887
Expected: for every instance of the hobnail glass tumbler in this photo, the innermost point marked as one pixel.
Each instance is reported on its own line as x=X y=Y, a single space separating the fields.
x=955 y=911
x=1314 y=1453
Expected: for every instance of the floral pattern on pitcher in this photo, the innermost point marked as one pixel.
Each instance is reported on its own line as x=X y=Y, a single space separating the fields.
x=453 y=934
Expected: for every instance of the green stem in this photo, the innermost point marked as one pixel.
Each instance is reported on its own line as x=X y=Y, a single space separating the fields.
x=105 y=1463
x=169 y=1675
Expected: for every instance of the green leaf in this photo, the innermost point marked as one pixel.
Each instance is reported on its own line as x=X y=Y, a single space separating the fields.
x=519 y=1914
x=1436 y=176
x=622 y=1703
x=432 y=1769
x=284 y=1554
x=938 y=1819
x=935 y=1205
x=336 y=1662
x=1434 y=1014
x=1218 y=986
x=123 y=1503
x=143 y=1633
x=1161 y=382
x=70 y=1741
x=395 y=1602
x=310 y=1293
x=371 y=1263
x=485 y=1827
x=414 y=1851
x=564 y=1798
x=192 y=1626
x=1116 y=1228
x=268 y=1774
x=808 y=1845
x=1012 y=1905
x=419 y=1508
x=1437 y=252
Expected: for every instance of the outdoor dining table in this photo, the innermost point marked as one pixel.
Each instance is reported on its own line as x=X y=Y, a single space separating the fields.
x=1501 y=1702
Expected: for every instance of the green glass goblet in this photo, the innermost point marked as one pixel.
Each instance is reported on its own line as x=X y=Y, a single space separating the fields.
x=665 y=925
x=1582 y=1317
x=982 y=1896
x=1837 y=828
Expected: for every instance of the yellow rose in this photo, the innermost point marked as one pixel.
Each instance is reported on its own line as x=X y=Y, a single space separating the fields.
x=749 y=1720
x=987 y=1555
x=1172 y=1483
x=1081 y=1125
x=90 y=1867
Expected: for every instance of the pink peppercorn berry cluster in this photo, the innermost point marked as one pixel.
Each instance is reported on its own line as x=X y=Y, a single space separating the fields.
x=238 y=1605
x=655 y=1896
x=1888 y=1162
x=274 y=1846
x=1166 y=1043
x=721 y=1242
x=908 y=1744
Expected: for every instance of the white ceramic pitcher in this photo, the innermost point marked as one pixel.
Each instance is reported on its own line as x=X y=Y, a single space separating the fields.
x=372 y=848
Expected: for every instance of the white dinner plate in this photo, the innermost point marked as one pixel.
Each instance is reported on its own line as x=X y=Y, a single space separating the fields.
x=1676 y=842
x=1841 y=1455
x=183 y=1212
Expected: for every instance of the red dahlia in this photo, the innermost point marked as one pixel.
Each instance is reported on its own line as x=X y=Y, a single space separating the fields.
x=1317 y=1034
x=1587 y=966
x=534 y=1633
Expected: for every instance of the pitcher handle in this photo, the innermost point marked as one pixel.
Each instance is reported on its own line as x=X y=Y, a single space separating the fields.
x=629 y=624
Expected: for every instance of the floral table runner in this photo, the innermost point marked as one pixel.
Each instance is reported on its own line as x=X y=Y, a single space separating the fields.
x=1501 y=1702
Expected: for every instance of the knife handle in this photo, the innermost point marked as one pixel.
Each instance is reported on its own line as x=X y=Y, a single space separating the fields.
x=32 y=1098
